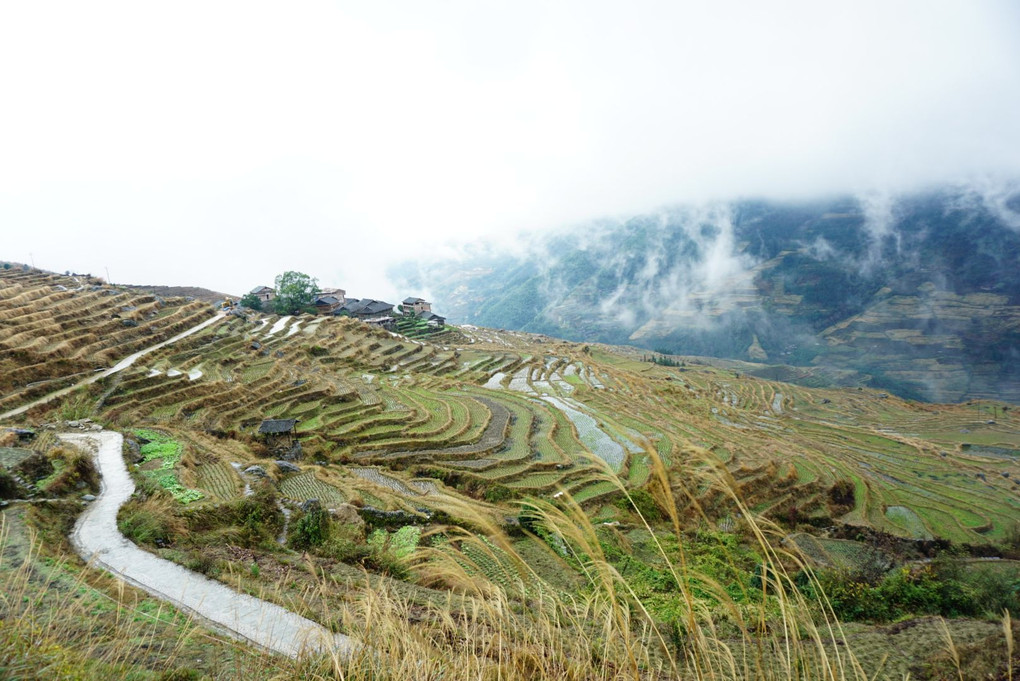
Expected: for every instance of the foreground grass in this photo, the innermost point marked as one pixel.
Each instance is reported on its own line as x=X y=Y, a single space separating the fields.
x=500 y=618
x=60 y=620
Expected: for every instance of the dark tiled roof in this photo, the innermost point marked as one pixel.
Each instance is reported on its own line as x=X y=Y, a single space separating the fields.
x=366 y=306
x=259 y=289
x=273 y=426
x=353 y=305
x=412 y=301
x=327 y=300
x=375 y=307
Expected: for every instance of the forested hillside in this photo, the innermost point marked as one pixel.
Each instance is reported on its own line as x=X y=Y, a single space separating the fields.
x=917 y=294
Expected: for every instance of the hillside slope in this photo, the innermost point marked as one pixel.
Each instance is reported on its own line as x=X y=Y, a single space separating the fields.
x=422 y=498
x=488 y=416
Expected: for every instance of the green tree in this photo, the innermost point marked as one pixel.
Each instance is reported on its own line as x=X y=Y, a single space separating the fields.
x=311 y=529
x=295 y=292
x=251 y=301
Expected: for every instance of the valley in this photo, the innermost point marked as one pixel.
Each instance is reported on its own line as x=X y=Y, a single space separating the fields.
x=915 y=294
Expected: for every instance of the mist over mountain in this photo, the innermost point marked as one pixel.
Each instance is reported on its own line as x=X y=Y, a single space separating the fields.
x=915 y=293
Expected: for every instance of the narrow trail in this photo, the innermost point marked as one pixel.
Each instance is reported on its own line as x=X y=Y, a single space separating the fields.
x=97 y=539
x=119 y=366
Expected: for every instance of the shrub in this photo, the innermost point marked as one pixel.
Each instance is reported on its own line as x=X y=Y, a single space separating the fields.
x=943 y=587
x=201 y=562
x=181 y=674
x=346 y=543
x=145 y=525
x=78 y=473
x=310 y=530
x=251 y=301
x=8 y=486
x=258 y=515
x=842 y=497
x=498 y=493
x=643 y=501
x=35 y=467
x=250 y=521
x=994 y=590
x=76 y=406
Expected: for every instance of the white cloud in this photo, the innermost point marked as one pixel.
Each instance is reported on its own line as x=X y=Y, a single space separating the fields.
x=218 y=143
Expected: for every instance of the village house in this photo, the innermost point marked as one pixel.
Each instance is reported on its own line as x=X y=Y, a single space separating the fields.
x=327 y=304
x=375 y=312
x=385 y=322
x=264 y=293
x=432 y=319
x=279 y=432
x=349 y=308
x=365 y=309
x=416 y=306
x=337 y=293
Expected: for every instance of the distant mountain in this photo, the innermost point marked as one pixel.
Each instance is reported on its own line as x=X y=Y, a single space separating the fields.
x=918 y=294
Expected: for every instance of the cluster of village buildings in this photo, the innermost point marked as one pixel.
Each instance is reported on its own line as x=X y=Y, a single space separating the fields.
x=334 y=301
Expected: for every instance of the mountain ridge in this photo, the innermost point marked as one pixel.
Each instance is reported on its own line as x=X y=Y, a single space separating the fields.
x=918 y=294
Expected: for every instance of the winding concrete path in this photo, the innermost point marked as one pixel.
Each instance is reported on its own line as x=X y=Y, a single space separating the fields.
x=119 y=366
x=97 y=539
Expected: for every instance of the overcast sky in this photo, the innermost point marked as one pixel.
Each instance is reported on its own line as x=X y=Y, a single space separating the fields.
x=219 y=143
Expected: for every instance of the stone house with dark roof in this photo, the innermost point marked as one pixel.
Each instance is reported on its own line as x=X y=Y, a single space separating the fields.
x=413 y=305
x=337 y=293
x=264 y=293
x=327 y=304
x=279 y=432
x=432 y=319
x=365 y=309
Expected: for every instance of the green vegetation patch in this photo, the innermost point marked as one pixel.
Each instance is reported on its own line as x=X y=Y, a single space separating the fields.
x=946 y=587
x=167 y=450
x=639 y=471
x=401 y=543
x=903 y=517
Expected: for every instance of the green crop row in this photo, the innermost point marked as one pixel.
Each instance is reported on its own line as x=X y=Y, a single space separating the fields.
x=306 y=485
x=219 y=480
x=168 y=451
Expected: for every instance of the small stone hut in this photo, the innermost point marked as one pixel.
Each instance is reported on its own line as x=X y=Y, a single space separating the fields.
x=279 y=432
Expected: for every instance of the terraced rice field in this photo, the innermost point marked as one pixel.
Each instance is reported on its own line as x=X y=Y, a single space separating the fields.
x=56 y=330
x=219 y=481
x=836 y=553
x=489 y=408
x=589 y=432
x=377 y=477
x=305 y=485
